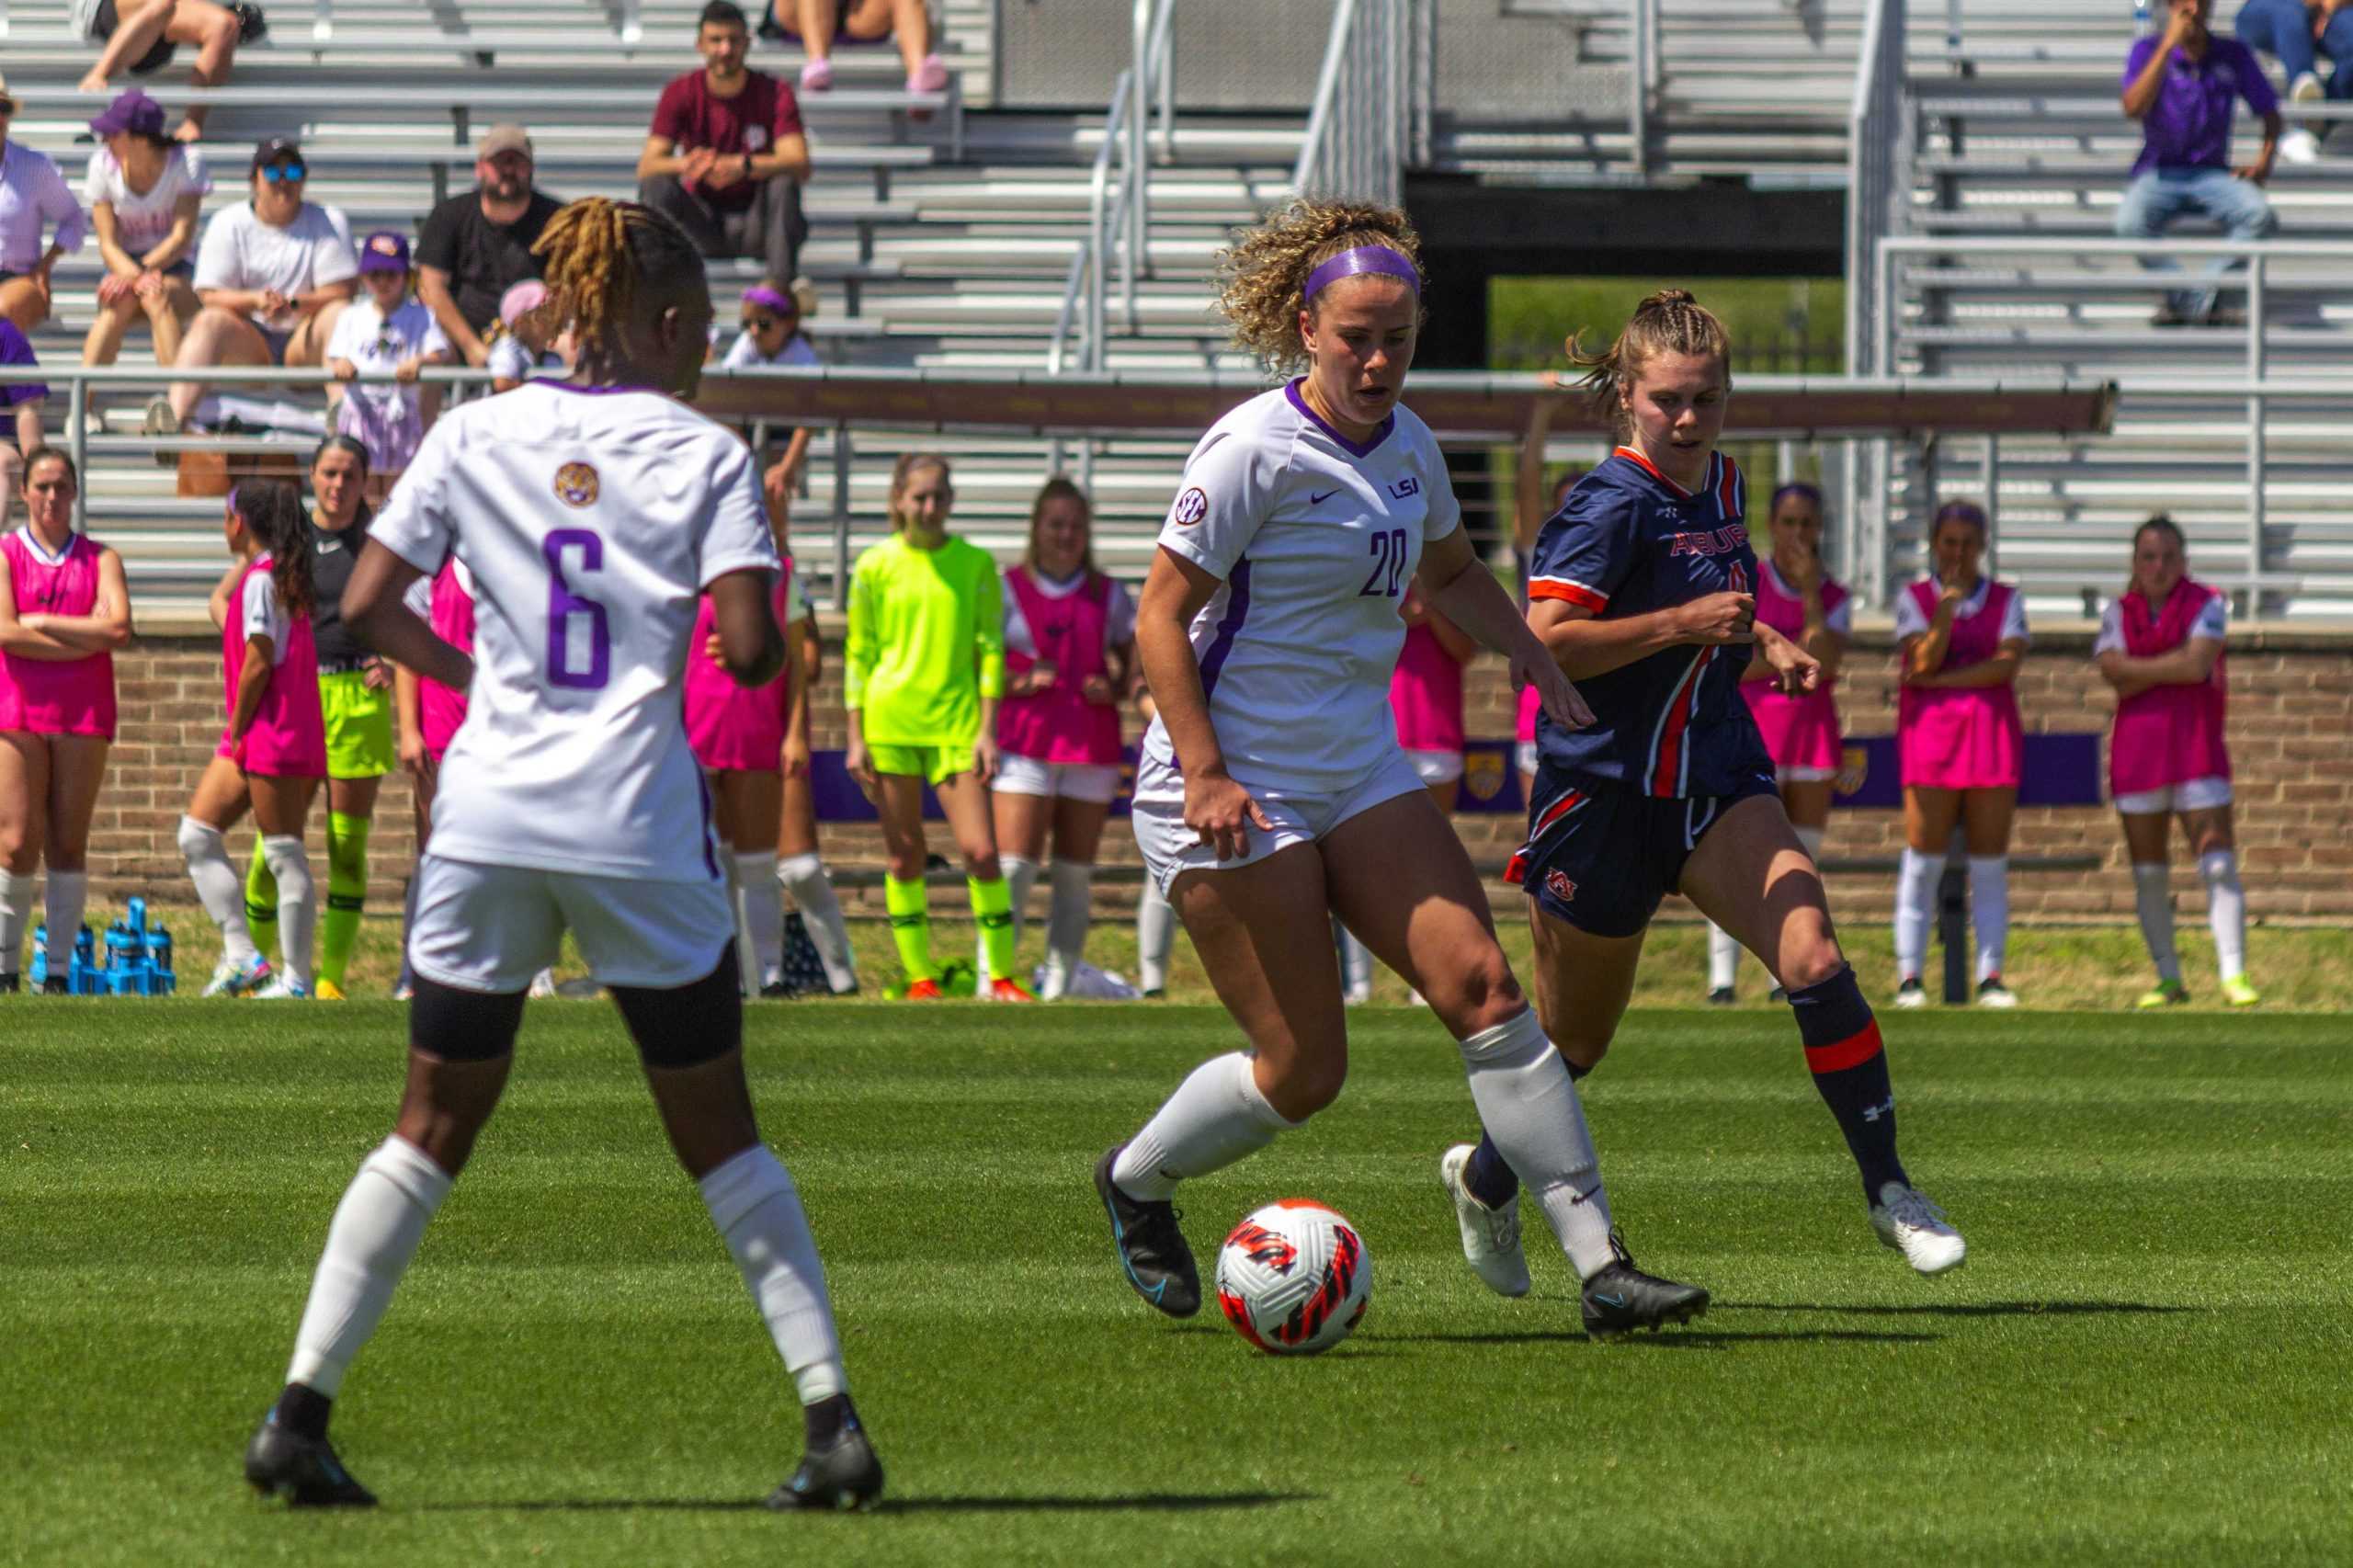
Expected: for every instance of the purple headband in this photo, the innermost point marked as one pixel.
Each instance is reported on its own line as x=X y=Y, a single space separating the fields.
x=761 y=294
x=1968 y=512
x=233 y=499
x=1357 y=262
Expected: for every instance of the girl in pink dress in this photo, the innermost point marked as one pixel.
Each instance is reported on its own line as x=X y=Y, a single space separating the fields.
x=427 y=714
x=1960 y=637
x=64 y=606
x=1069 y=659
x=274 y=751
x=1797 y=599
x=2161 y=647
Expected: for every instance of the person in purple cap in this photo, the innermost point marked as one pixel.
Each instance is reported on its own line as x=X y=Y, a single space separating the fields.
x=2179 y=86
x=143 y=190
x=33 y=196
x=387 y=331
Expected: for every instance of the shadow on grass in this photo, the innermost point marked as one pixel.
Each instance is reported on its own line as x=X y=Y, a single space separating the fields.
x=1672 y=1336
x=1966 y=1309
x=1145 y=1502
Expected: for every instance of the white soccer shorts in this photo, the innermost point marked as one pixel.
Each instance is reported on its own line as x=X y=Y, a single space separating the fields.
x=1170 y=847
x=1097 y=784
x=491 y=928
x=2191 y=795
x=1436 y=767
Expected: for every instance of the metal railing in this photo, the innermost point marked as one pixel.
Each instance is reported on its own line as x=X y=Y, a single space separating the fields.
x=1370 y=117
x=1119 y=221
x=627 y=28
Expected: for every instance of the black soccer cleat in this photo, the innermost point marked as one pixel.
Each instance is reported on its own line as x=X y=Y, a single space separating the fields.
x=1152 y=1249
x=8 y=984
x=56 y=986
x=1722 y=996
x=1621 y=1297
x=303 y=1471
x=845 y=1475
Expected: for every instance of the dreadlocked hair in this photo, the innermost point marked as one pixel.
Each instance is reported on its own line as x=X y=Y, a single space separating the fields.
x=1263 y=274
x=1669 y=322
x=599 y=257
x=271 y=510
x=903 y=473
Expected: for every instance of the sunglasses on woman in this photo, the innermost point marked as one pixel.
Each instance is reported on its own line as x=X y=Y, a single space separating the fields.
x=284 y=174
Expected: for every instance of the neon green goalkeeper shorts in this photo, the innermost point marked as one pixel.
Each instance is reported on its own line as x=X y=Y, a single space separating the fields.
x=360 y=727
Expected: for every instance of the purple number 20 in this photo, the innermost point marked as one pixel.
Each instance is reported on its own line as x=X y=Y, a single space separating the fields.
x=564 y=605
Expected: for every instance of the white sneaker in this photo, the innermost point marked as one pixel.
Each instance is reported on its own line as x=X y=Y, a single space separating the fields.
x=231 y=977
x=2300 y=146
x=1911 y=994
x=1907 y=1222
x=1356 y=995
x=1992 y=993
x=282 y=990
x=1054 y=983
x=1490 y=1236
x=543 y=984
x=2306 y=89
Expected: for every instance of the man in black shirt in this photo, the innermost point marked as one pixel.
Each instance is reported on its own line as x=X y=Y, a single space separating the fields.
x=478 y=245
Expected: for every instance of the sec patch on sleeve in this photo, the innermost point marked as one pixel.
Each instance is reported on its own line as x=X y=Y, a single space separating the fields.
x=1190 y=509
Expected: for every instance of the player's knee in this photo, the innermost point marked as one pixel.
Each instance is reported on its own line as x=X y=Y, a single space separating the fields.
x=1306 y=1085
x=984 y=867
x=1476 y=995
x=1582 y=1041
x=20 y=855
x=903 y=867
x=1813 y=963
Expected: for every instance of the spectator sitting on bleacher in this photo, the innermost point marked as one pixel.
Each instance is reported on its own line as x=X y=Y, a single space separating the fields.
x=726 y=155
x=386 y=331
x=33 y=195
x=22 y=401
x=816 y=23
x=772 y=335
x=2295 y=31
x=144 y=40
x=476 y=246
x=144 y=191
x=275 y=273
x=2180 y=86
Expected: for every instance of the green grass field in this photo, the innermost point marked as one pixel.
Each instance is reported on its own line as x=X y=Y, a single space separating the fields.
x=2145 y=1359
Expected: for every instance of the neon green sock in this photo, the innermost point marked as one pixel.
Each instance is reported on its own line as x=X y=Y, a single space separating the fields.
x=261 y=902
x=346 y=894
x=993 y=907
x=910 y=926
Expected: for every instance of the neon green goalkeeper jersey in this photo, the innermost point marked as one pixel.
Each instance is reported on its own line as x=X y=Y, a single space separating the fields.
x=927 y=641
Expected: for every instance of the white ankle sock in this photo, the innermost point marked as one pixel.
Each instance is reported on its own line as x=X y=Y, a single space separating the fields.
x=804 y=878
x=762 y=913
x=64 y=896
x=2226 y=909
x=1068 y=916
x=2154 y=899
x=1356 y=963
x=1916 y=910
x=753 y=1201
x=375 y=1232
x=1723 y=958
x=218 y=887
x=16 y=911
x=1529 y=1107
x=298 y=905
x=1989 y=911
x=1156 y=935
x=1216 y=1116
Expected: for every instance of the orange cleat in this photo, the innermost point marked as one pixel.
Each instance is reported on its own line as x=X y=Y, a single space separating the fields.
x=1010 y=990
x=922 y=991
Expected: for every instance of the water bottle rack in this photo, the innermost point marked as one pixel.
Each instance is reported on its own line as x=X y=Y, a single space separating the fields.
x=138 y=958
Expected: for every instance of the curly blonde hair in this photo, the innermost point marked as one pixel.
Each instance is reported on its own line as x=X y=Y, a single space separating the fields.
x=1669 y=322
x=604 y=261
x=1263 y=274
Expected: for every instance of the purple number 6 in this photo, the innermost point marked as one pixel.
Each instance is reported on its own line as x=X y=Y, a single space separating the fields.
x=563 y=603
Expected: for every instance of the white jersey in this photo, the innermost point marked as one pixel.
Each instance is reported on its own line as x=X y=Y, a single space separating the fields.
x=1317 y=540
x=592 y=520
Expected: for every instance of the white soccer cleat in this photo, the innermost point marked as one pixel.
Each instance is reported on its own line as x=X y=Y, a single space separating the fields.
x=1490 y=1236
x=542 y=984
x=231 y=977
x=1911 y=994
x=281 y=990
x=1907 y=1222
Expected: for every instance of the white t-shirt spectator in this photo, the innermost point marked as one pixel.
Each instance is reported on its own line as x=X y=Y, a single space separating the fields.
x=375 y=342
x=142 y=222
x=511 y=359
x=744 y=353
x=240 y=251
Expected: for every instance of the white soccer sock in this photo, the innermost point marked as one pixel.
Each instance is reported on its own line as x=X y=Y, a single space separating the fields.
x=64 y=898
x=16 y=909
x=2226 y=909
x=762 y=913
x=1356 y=963
x=1529 y=1107
x=1989 y=910
x=804 y=878
x=1916 y=906
x=375 y=1232
x=218 y=887
x=1723 y=958
x=2154 y=899
x=1067 y=918
x=1216 y=1116
x=1811 y=839
x=753 y=1201
x=1155 y=935
x=298 y=905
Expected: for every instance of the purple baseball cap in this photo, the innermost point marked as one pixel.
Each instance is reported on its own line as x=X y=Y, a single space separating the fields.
x=384 y=251
x=133 y=112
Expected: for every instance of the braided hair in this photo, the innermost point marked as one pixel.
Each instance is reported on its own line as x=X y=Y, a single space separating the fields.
x=611 y=266
x=1669 y=322
x=271 y=510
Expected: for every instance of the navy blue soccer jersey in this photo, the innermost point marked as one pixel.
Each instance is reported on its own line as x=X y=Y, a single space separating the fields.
x=1628 y=542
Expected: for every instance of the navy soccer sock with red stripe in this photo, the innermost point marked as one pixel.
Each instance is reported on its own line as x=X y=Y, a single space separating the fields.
x=1487 y=1174
x=1849 y=1065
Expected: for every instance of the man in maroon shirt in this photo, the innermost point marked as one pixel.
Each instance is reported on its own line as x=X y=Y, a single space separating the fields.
x=726 y=156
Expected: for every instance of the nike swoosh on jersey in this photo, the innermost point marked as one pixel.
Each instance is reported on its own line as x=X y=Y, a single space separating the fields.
x=1319 y=500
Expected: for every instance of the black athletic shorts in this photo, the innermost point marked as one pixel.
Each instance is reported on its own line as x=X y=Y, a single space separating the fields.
x=104 y=25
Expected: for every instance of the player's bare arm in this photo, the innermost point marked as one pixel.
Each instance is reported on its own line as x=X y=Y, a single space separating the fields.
x=751 y=645
x=1584 y=646
x=1457 y=585
x=1215 y=806
x=373 y=609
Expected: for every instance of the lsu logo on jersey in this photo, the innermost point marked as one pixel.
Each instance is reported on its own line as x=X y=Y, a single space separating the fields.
x=576 y=484
x=1558 y=884
x=1190 y=509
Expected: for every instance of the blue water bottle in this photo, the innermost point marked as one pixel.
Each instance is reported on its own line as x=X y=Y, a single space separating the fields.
x=2140 y=18
x=159 y=953
x=41 y=955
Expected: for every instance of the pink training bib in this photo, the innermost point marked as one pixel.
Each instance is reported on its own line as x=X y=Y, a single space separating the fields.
x=736 y=729
x=1799 y=731
x=1969 y=738
x=1426 y=693
x=56 y=697
x=1059 y=726
x=288 y=738
x=439 y=710
x=2167 y=735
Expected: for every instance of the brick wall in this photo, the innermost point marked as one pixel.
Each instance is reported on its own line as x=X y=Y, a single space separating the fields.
x=2290 y=735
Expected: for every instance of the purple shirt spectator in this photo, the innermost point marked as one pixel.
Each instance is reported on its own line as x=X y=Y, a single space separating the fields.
x=16 y=350
x=2189 y=126
x=33 y=195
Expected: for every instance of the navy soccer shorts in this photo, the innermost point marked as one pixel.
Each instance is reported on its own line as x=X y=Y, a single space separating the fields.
x=1600 y=856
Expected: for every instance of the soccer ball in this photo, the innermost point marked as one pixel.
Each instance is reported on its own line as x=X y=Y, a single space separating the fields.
x=1294 y=1277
